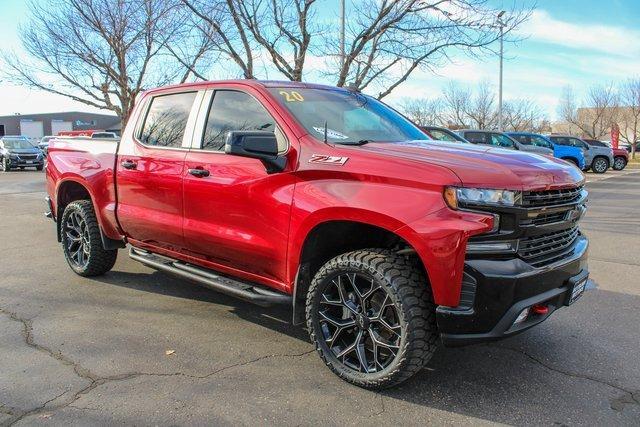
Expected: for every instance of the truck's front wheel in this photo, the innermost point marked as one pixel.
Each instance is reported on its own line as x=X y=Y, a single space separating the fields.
x=371 y=316
x=81 y=241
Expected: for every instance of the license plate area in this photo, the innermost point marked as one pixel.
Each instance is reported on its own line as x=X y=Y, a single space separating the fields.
x=576 y=289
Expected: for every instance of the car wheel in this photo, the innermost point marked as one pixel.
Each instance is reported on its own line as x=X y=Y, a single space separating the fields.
x=619 y=163
x=82 y=243
x=600 y=165
x=371 y=317
x=6 y=166
x=39 y=168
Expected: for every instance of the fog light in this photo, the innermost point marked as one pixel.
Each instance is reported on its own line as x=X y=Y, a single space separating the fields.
x=522 y=316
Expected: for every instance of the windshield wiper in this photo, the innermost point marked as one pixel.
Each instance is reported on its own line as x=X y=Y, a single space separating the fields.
x=361 y=142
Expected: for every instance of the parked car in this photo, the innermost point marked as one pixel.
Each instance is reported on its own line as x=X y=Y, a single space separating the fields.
x=564 y=152
x=327 y=200
x=442 y=134
x=620 y=155
x=44 y=143
x=598 y=159
x=17 y=152
x=499 y=139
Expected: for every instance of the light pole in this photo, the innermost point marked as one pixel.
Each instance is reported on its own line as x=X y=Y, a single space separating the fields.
x=500 y=85
x=342 y=23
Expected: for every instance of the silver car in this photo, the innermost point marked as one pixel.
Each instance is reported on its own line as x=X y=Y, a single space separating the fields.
x=499 y=139
x=598 y=159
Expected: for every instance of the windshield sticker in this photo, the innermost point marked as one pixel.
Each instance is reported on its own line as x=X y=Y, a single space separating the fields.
x=332 y=160
x=333 y=134
x=291 y=96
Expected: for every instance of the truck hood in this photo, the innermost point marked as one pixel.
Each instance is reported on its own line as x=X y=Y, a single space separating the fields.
x=486 y=166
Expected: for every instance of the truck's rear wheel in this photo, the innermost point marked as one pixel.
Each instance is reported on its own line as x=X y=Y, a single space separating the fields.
x=81 y=241
x=371 y=317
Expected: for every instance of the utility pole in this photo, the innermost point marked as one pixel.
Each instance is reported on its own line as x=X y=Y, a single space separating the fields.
x=342 y=25
x=501 y=25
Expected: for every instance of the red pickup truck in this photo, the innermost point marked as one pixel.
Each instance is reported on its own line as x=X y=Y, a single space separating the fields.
x=323 y=198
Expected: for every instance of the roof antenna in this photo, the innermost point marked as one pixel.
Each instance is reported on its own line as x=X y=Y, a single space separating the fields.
x=325 y=132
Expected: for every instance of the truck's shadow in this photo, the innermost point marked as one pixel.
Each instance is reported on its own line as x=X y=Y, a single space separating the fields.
x=500 y=382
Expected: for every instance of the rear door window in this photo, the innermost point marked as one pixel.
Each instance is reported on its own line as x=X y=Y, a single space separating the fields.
x=500 y=140
x=538 y=141
x=476 y=137
x=166 y=120
x=522 y=139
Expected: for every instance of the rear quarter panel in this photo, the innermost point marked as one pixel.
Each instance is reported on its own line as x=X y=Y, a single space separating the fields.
x=88 y=162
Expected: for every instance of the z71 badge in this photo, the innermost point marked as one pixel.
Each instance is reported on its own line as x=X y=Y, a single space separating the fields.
x=331 y=160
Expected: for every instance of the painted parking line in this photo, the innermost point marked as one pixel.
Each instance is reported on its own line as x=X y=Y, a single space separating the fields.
x=592 y=177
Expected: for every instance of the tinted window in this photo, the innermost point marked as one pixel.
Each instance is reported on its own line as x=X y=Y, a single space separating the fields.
x=539 y=141
x=443 y=135
x=350 y=117
x=500 y=140
x=476 y=137
x=597 y=143
x=572 y=142
x=522 y=139
x=232 y=110
x=166 y=120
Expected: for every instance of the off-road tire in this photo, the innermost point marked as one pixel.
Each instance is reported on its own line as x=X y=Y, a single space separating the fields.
x=600 y=165
x=619 y=163
x=410 y=293
x=98 y=260
x=39 y=168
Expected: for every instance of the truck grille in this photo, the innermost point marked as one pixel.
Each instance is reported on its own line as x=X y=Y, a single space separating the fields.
x=549 y=218
x=551 y=197
x=547 y=248
x=28 y=156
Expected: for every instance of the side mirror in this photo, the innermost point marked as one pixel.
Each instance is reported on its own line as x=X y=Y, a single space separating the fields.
x=260 y=145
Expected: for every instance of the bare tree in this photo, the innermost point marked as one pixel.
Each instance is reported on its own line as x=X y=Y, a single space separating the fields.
x=524 y=115
x=594 y=120
x=455 y=104
x=630 y=113
x=481 y=109
x=391 y=39
x=101 y=53
x=423 y=112
x=243 y=29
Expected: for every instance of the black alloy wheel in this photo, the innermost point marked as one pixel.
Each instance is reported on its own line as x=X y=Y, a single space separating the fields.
x=82 y=240
x=359 y=322
x=77 y=239
x=600 y=165
x=371 y=317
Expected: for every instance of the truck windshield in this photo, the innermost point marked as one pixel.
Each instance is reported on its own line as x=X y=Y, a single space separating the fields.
x=350 y=117
x=16 y=143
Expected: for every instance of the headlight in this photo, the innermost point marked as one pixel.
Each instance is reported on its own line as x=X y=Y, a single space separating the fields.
x=13 y=156
x=461 y=196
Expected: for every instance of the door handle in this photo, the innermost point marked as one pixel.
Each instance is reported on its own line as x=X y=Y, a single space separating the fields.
x=200 y=173
x=128 y=164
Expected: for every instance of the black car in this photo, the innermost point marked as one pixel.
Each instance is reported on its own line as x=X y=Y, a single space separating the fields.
x=17 y=152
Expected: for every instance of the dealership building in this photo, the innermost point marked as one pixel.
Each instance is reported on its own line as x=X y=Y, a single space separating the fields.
x=39 y=125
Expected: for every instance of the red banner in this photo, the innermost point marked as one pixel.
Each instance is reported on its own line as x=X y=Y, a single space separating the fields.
x=615 y=135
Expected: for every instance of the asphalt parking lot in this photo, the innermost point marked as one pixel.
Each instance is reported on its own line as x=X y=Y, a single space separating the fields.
x=142 y=348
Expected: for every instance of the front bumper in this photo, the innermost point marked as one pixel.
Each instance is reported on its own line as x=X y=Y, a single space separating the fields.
x=496 y=291
x=15 y=163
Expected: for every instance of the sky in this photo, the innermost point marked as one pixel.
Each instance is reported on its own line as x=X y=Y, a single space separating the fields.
x=577 y=43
